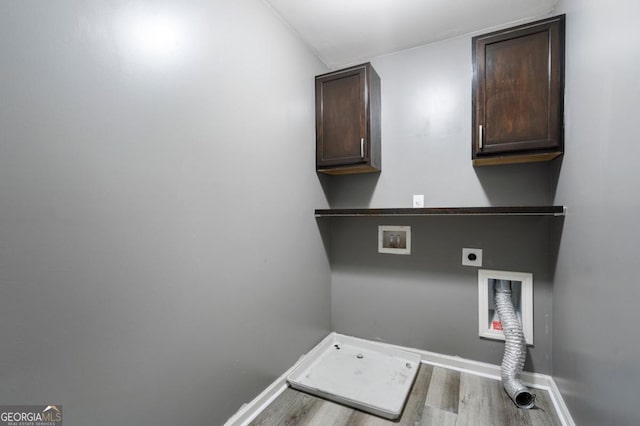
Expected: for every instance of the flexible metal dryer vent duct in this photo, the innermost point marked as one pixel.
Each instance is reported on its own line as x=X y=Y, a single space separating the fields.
x=515 y=348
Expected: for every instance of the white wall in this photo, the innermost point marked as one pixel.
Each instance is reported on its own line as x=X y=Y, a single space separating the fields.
x=159 y=260
x=429 y=300
x=596 y=347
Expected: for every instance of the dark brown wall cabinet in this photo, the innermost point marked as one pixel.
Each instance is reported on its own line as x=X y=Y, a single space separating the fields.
x=518 y=94
x=348 y=121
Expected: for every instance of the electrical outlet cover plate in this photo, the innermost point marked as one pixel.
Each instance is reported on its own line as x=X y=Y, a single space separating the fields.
x=418 y=201
x=472 y=257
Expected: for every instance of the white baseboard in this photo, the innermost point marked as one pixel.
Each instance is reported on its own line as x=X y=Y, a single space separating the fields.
x=559 y=404
x=533 y=380
x=250 y=411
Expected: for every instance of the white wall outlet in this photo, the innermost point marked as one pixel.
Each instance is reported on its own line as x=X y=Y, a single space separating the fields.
x=418 y=201
x=472 y=257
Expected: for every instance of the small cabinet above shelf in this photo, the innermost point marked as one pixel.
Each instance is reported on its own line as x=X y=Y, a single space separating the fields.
x=518 y=92
x=348 y=129
x=445 y=211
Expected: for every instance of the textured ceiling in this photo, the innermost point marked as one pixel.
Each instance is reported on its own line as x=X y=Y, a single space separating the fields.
x=344 y=32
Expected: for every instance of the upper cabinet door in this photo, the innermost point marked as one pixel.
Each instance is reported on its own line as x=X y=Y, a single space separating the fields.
x=518 y=93
x=348 y=121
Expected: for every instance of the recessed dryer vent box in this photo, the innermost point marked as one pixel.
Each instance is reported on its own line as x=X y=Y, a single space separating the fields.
x=489 y=324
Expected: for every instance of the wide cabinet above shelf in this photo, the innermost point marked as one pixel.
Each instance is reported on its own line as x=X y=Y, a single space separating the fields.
x=348 y=128
x=518 y=94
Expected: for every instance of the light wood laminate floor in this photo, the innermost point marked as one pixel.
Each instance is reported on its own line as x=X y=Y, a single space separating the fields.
x=439 y=397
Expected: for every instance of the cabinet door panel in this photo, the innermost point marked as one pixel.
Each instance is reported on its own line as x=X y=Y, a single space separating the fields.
x=343 y=123
x=517 y=92
x=343 y=118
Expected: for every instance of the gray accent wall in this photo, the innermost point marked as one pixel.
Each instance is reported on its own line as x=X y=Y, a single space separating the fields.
x=596 y=348
x=429 y=300
x=159 y=259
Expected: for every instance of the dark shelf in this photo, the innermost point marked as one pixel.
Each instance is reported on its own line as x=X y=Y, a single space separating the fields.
x=445 y=211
